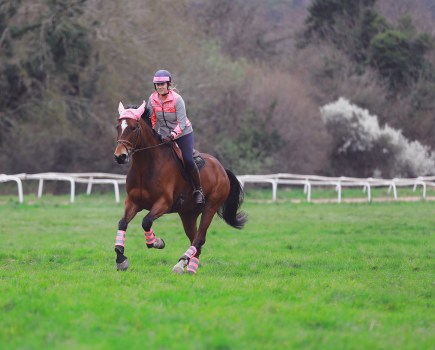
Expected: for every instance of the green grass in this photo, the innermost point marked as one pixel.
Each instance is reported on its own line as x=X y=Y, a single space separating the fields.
x=299 y=276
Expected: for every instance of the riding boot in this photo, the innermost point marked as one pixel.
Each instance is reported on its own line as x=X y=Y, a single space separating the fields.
x=198 y=195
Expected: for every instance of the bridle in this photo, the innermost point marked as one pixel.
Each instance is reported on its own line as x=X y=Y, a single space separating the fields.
x=132 y=147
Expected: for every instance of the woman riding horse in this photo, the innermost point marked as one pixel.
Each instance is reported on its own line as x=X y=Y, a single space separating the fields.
x=169 y=119
x=156 y=183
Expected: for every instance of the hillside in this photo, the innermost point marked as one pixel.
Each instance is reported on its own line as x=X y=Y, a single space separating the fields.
x=254 y=76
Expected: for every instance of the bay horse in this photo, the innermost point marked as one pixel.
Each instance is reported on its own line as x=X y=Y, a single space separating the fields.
x=155 y=182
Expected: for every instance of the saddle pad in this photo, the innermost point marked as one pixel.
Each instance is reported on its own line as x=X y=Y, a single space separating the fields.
x=200 y=162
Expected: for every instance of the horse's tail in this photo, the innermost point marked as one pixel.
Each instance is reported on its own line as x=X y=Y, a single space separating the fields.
x=229 y=211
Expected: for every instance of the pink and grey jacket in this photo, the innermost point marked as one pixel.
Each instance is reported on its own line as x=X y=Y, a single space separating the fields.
x=169 y=117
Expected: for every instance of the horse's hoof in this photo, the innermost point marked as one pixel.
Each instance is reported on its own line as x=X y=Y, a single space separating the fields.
x=179 y=267
x=178 y=270
x=123 y=266
x=159 y=243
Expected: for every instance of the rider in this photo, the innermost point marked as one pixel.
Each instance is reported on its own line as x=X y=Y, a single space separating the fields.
x=167 y=111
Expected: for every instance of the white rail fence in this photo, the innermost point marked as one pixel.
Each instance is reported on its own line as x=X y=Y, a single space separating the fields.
x=308 y=182
x=72 y=178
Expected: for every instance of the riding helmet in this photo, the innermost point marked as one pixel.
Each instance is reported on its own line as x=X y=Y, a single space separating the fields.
x=162 y=76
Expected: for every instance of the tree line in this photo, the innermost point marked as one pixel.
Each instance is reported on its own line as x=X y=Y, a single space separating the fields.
x=255 y=76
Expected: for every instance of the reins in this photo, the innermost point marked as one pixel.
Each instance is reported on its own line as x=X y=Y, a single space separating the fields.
x=145 y=148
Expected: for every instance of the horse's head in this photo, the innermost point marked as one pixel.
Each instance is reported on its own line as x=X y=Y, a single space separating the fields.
x=129 y=131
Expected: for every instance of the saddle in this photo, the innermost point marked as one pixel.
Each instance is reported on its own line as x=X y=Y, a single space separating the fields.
x=176 y=152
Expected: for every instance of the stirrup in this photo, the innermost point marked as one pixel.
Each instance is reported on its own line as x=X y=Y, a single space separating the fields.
x=198 y=196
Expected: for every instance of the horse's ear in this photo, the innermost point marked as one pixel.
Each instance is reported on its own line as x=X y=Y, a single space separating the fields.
x=141 y=109
x=121 y=108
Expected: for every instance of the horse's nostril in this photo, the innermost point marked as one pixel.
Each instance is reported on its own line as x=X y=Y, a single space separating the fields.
x=121 y=159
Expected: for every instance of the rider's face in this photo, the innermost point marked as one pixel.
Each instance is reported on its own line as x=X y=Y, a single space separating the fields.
x=162 y=88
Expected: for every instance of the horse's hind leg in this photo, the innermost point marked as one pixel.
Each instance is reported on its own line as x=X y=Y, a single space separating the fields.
x=189 y=224
x=129 y=213
x=191 y=256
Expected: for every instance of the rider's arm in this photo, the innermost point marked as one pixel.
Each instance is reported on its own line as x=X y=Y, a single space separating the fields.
x=182 y=120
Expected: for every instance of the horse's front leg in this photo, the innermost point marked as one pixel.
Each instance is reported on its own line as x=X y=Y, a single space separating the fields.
x=157 y=210
x=129 y=213
x=151 y=239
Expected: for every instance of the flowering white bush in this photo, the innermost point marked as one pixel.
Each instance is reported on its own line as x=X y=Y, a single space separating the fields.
x=355 y=131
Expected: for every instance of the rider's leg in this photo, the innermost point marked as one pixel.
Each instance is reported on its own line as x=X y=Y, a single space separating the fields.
x=186 y=145
x=198 y=194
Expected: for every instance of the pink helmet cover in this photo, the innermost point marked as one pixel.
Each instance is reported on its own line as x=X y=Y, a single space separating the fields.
x=131 y=113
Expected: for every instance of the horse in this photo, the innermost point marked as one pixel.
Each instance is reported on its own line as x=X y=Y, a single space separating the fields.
x=156 y=182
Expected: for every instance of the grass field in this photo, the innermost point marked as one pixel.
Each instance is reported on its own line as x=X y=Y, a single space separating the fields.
x=299 y=276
